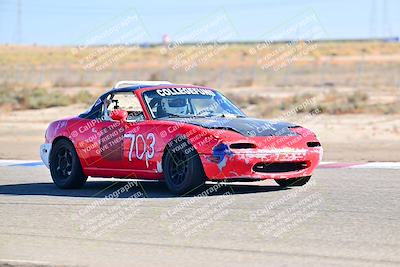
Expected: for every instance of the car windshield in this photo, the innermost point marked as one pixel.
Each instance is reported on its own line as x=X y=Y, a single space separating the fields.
x=189 y=102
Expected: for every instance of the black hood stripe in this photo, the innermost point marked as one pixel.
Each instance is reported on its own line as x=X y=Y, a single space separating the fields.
x=245 y=126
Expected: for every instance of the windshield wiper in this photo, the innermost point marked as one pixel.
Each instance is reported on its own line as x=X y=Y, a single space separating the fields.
x=176 y=116
x=223 y=115
x=202 y=116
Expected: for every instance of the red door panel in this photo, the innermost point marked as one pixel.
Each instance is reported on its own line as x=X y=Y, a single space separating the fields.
x=110 y=139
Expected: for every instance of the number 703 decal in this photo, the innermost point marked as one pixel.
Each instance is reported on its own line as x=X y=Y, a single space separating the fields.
x=148 y=151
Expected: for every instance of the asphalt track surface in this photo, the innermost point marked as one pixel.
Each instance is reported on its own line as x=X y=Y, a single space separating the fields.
x=345 y=217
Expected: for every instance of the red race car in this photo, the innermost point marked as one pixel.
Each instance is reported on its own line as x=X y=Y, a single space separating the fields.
x=182 y=134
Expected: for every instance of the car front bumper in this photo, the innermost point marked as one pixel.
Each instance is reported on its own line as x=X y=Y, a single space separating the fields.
x=45 y=150
x=263 y=165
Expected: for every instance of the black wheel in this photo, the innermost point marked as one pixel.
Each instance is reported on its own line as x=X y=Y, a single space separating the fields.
x=65 y=167
x=183 y=170
x=293 y=182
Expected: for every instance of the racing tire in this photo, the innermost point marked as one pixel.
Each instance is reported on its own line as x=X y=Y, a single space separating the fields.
x=293 y=181
x=65 y=167
x=183 y=170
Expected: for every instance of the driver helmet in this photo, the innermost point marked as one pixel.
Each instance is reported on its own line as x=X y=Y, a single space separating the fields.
x=177 y=105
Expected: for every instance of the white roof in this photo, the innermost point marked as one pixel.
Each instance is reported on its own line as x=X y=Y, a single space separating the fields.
x=128 y=83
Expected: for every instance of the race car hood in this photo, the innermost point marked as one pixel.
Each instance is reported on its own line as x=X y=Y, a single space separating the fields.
x=249 y=127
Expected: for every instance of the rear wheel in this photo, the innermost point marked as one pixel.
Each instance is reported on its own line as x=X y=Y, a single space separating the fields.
x=65 y=167
x=293 y=181
x=183 y=170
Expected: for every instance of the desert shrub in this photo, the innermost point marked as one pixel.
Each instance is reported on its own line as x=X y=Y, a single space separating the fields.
x=62 y=82
x=37 y=98
x=299 y=102
x=244 y=101
x=268 y=110
x=357 y=98
x=201 y=83
x=155 y=76
x=238 y=99
x=258 y=100
x=83 y=97
x=387 y=109
x=245 y=83
x=41 y=98
x=335 y=103
x=332 y=96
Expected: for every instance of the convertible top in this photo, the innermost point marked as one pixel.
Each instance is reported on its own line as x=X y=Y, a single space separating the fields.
x=95 y=110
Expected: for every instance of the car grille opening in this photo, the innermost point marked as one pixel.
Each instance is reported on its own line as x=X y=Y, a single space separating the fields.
x=242 y=146
x=313 y=144
x=273 y=167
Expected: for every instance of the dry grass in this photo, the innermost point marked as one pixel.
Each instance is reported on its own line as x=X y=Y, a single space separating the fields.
x=38 y=98
x=238 y=53
x=369 y=71
x=333 y=103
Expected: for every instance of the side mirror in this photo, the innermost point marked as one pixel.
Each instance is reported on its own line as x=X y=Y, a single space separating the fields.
x=119 y=115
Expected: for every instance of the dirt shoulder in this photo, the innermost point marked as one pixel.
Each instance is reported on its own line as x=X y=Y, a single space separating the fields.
x=360 y=137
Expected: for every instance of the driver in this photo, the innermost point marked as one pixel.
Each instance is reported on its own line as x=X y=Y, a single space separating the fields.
x=176 y=106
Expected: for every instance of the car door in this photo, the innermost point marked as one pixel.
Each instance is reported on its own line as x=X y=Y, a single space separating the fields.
x=140 y=147
x=125 y=145
x=111 y=139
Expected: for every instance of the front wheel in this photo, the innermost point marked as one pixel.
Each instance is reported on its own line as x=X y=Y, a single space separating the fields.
x=65 y=167
x=293 y=181
x=183 y=170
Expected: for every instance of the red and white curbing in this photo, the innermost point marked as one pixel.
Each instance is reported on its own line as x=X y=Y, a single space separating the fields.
x=359 y=165
x=322 y=165
x=15 y=162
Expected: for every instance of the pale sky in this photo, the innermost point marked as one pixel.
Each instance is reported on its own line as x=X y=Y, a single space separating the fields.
x=63 y=22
